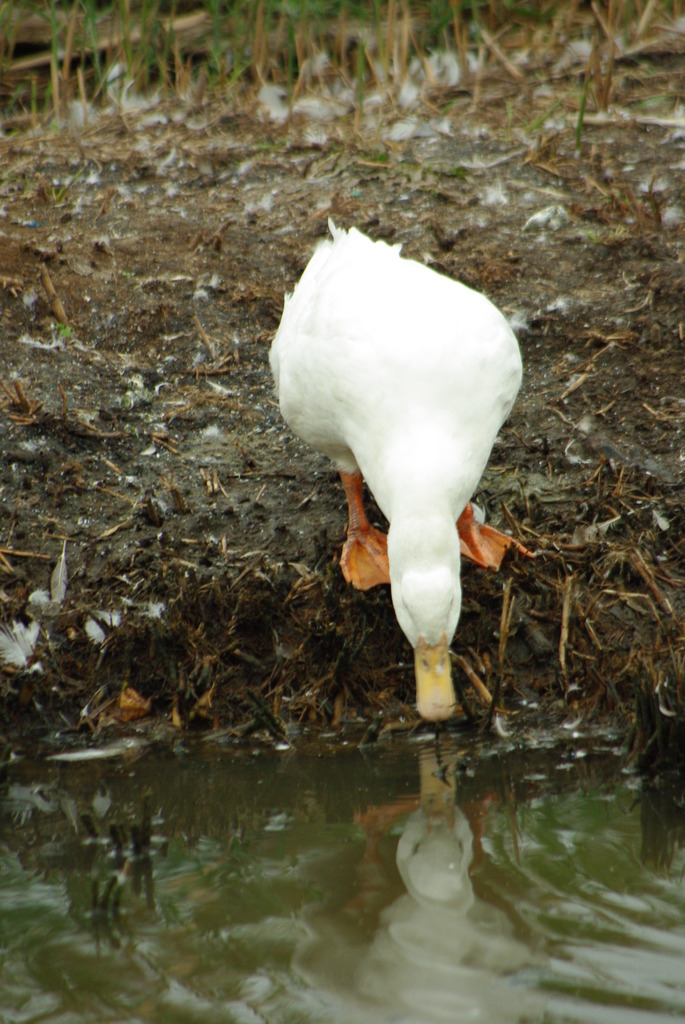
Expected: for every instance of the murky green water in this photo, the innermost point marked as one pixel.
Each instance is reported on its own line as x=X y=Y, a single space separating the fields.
x=484 y=884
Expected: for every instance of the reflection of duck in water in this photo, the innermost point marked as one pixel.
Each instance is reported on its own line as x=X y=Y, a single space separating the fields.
x=439 y=953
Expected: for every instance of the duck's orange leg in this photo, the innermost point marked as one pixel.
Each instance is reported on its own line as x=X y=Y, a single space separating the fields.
x=364 y=558
x=483 y=544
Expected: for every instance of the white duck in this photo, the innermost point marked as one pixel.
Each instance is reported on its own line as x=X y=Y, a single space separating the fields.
x=403 y=378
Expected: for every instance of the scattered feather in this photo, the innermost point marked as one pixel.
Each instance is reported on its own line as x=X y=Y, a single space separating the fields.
x=17 y=643
x=495 y=195
x=111 y=619
x=409 y=93
x=442 y=68
x=672 y=216
x=264 y=204
x=154 y=118
x=410 y=128
x=118 y=749
x=403 y=130
x=170 y=161
x=316 y=136
x=320 y=108
x=478 y=513
x=660 y=520
x=663 y=708
x=155 y=609
x=577 y=52
x=220 y=390
x=213 y=432
x=273 y=98
x=519 y=322
x=79 y=115
x=59 y=578
x=500 y=727
x=94 y=631
x=592 y=533
x=31 y=798
x=101 y=802
x=39 y=598
x=551 y=217
x=668 y=712
x=573 y=459
x=442 y=126
x=46 y=346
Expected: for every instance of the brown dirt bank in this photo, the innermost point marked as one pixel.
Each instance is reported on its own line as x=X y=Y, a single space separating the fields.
x=202 y=539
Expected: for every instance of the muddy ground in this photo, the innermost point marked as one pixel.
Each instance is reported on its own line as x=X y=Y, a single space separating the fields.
x=202 y=539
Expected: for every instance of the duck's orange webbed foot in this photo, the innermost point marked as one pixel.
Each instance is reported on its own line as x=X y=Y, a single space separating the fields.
x=364 y=558
x=483 y=544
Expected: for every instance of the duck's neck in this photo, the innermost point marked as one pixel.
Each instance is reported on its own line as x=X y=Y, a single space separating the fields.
x=424 y=562
x=422 y=483
x=423 y=474
x=423 y=542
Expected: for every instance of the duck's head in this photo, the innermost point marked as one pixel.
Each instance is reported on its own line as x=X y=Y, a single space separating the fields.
x=427 y=604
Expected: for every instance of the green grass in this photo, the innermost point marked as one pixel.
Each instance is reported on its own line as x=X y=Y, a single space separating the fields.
x=157 y=44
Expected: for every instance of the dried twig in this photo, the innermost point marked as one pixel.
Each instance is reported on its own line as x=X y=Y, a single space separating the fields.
x=565 y=617
x=13 y=285
x=162 y=438
x=209 y=344
x=478 y=684
x=505 y=622
x=53 y=298
x=16 y=553
x=24 y=409
x=645 y=19
x=641 y=567
x=577 y=383
x=497 y=52
x=115 y=529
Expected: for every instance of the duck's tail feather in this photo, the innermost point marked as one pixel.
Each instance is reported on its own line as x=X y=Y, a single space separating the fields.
x=336 y=233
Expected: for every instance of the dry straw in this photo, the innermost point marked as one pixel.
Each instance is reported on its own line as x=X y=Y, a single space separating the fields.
x=51 y=54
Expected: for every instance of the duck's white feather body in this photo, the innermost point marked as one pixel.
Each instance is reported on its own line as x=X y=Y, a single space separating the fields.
x=387 y=366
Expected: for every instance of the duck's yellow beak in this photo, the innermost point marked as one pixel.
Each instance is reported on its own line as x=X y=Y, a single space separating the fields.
x=435 y=698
